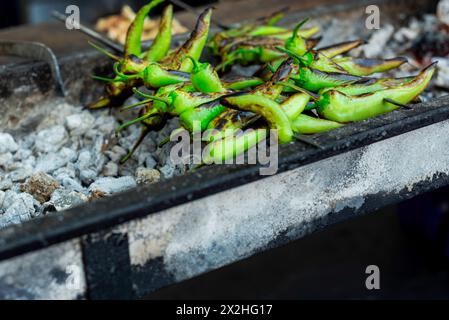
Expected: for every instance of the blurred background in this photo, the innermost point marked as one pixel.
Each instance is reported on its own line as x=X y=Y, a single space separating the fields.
x=38 y=11
x=409 y=242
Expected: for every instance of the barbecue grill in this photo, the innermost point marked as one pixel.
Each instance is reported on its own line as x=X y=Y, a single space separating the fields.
x=133 y=243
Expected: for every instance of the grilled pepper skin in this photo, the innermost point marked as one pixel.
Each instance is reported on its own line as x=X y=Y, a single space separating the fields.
x=345 y=95
x=203 y=115
x=340 y=107
x=366 y=67
x=133 y=44
x=294 y=105
x=315 y=80
x=193 y=47
x=268 y=109
x=155 y=76
x=370 y=85
x=340 y=48
x=305 y=124
x=241 y=83
x=230 y=147
x=161 y=44
x=145 y=70
x=205 y=78
x=237 y=117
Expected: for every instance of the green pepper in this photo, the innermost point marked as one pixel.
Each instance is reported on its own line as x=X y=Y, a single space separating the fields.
x=296 y=43
x=228 y=122
x=193 y=47
x=133 y=44
x=229 y=147
x=203 y=115
x=306 y=59
x=117 y=89
x=294 y=105
x=306 y=33
x=161 y=44
x=370 y=86
x=340 y=107
x=205 y=78
x=115 y=93
x=263 y=27
x=364 y=67
x=260 y=45
x=178 y=101
x=267 y=108
x=266 y=31
x=315 y=80
x=340 y=48
x=249 y=50
x=305 y=124
x=154 y=76
x=241 y=83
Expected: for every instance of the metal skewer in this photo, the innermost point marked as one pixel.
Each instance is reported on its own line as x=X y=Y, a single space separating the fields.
x=91 y=33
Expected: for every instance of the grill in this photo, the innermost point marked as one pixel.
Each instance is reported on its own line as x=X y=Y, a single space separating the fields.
x=134 y=243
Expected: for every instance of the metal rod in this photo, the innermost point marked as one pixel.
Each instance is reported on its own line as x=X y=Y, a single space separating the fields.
x=91 y=33
x=38 y=51
x=191 y=9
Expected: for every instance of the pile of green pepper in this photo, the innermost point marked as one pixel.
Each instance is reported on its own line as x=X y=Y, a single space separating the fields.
x=297 y=90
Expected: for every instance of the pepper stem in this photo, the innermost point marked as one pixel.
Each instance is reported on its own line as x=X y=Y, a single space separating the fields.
x=195 y=63
x=164 y=142
x=150 y=97
x=271 y=68
x=105 y=79
x=299 y=26
x=314 y=96
x=104 y=51
x=122 y=75
x=133 y=121
x=293 y=55
x=135 y=105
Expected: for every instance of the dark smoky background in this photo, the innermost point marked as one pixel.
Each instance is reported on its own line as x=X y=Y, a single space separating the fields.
x=38 y=11
x=409 y=242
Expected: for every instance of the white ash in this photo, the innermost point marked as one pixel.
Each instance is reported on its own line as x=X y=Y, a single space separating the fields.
x=17 y=208
x=77 y=148
x=79 y=124
x=63 y=199
x=377 y=42
x=110 y=169
x=443 y=11
x=108 y=185
x=7 y=143
x=5 y=184
x=51 y=139
x=442 y=78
